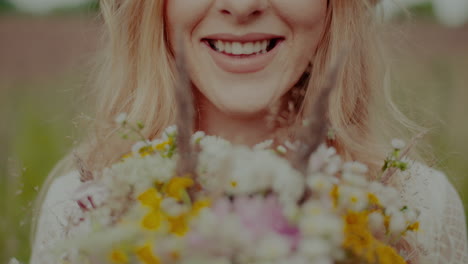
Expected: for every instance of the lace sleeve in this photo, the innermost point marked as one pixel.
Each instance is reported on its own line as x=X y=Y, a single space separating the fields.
x=453 y=246
x=442 y=238
x=57 y=211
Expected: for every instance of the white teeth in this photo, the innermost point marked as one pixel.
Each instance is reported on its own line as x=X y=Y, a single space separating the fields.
x=228 y=47
x=257 y=46
x=220 y=45
x=264 y=45
x=249 y=48
x=238 y=48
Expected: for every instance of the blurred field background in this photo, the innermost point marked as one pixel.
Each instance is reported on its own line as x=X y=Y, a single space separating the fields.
x=43 y=72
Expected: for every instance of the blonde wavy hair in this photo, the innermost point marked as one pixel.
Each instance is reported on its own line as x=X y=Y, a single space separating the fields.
x=136 y=74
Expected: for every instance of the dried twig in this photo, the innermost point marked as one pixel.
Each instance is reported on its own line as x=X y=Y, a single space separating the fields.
x=185 y=117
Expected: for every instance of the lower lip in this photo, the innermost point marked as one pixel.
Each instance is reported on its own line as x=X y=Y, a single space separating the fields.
x=243 y=63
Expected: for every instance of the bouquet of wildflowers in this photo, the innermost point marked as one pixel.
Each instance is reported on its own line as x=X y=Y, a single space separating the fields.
x=236 y=204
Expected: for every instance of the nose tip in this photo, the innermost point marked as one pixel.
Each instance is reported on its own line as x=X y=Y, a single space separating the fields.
x=243 y=10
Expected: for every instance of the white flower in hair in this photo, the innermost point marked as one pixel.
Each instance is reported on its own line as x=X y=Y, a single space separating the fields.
x=121 y=119
x=398 y=143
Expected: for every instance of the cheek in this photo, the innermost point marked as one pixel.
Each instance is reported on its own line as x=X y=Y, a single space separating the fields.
x=306 y=20
x=182 y=16
x=302 y=14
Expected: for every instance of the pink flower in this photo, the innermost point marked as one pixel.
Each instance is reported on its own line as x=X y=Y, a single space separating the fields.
x=262 y=215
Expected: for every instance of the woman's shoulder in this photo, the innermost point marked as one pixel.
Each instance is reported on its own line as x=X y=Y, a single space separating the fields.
x=442 y=237
x=427 y=186
x=59 y=212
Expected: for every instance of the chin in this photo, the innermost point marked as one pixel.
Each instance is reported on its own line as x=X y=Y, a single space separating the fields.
x=241 y=107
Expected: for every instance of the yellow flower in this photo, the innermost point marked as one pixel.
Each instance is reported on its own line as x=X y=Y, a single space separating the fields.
x=177 y=186
x=145 y=151
x=373 y=199
x=151 y=198
x=118 y=257
x=179 y=225
x=127 y=156
x=199 y=205
x=335 y=194
x=153 y=220
x=175 y=255
x=414 y=227
x=145 y=254
x=162 y=146
x=387 y=255
x=361 y=243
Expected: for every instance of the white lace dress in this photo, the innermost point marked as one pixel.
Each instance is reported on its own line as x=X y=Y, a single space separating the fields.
x=442 y=238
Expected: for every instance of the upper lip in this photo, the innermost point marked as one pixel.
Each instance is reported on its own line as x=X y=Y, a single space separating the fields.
x=251 y=37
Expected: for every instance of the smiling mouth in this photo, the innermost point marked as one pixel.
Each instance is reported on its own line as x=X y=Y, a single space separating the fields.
x=234 y=48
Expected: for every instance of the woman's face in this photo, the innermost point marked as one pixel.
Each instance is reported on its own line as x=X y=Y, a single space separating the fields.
x=243 y=55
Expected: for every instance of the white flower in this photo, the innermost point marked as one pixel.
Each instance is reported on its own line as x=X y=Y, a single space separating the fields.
x=199 y=135
x=376 y=222
x=323 y=260
x=205 y=223
x=292 y=146
x=173 y=208
x=322 y=225
x=314 y=248
x=214 y=145
x=288 y=183
x=411 y=215
x=233 y=232
x=138 y=146
x=263 y=145
x=319 y=182
x=170 y=244
x=388 y=196
x=397 y=223
x=156 y=142
x=398 y=143
x=272 y=247
x=281 y=150
x=205 y=260
x=355 y=180
x=138 y=174
x=290 y=210
x=121 y=119
x=355 y=167
x=295 y=259
x=353 y=198
x=171 y=130
x=333 y=166
x=249 y=171
x=320 y=158
x=14 y=261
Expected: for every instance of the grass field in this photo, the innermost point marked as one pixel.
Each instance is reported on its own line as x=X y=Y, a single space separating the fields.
x=38 y=115
x=36 y=133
